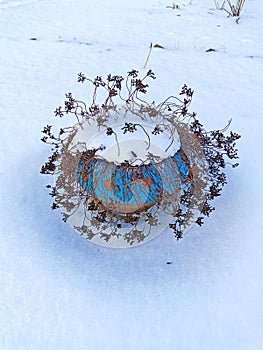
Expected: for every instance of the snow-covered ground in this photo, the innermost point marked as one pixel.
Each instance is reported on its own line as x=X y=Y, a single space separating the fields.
x=58 y=291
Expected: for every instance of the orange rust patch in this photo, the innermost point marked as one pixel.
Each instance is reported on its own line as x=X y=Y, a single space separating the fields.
x=108 y=185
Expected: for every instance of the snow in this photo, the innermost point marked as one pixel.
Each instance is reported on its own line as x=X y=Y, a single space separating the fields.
x=61 y=292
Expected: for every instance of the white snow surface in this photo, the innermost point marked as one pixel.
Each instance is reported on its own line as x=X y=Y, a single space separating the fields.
x=58 y=291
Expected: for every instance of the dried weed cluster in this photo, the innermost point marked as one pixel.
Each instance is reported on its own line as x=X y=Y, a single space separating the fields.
x=181 y=186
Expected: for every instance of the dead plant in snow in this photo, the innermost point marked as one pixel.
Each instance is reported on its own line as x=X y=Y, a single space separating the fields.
x=218 y=6
x=235 y=10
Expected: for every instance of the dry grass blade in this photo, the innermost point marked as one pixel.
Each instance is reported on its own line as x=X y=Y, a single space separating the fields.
x=235 y=10
x=218 y=6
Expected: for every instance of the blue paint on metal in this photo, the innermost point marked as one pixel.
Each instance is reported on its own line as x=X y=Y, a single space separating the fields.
x=168 y=172
x=182 y=164
x=84 y=174
x=121 y=181
x=137 y=184
x=132 y=185
x=154 y=180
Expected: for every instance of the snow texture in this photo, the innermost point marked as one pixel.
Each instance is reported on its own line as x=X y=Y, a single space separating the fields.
x=58 y=291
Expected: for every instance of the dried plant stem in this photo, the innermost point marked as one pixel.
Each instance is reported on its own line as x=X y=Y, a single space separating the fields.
x=146 y=133
x=235 y=10
x=218 y=6
x=148 y=56
x=117 y=142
